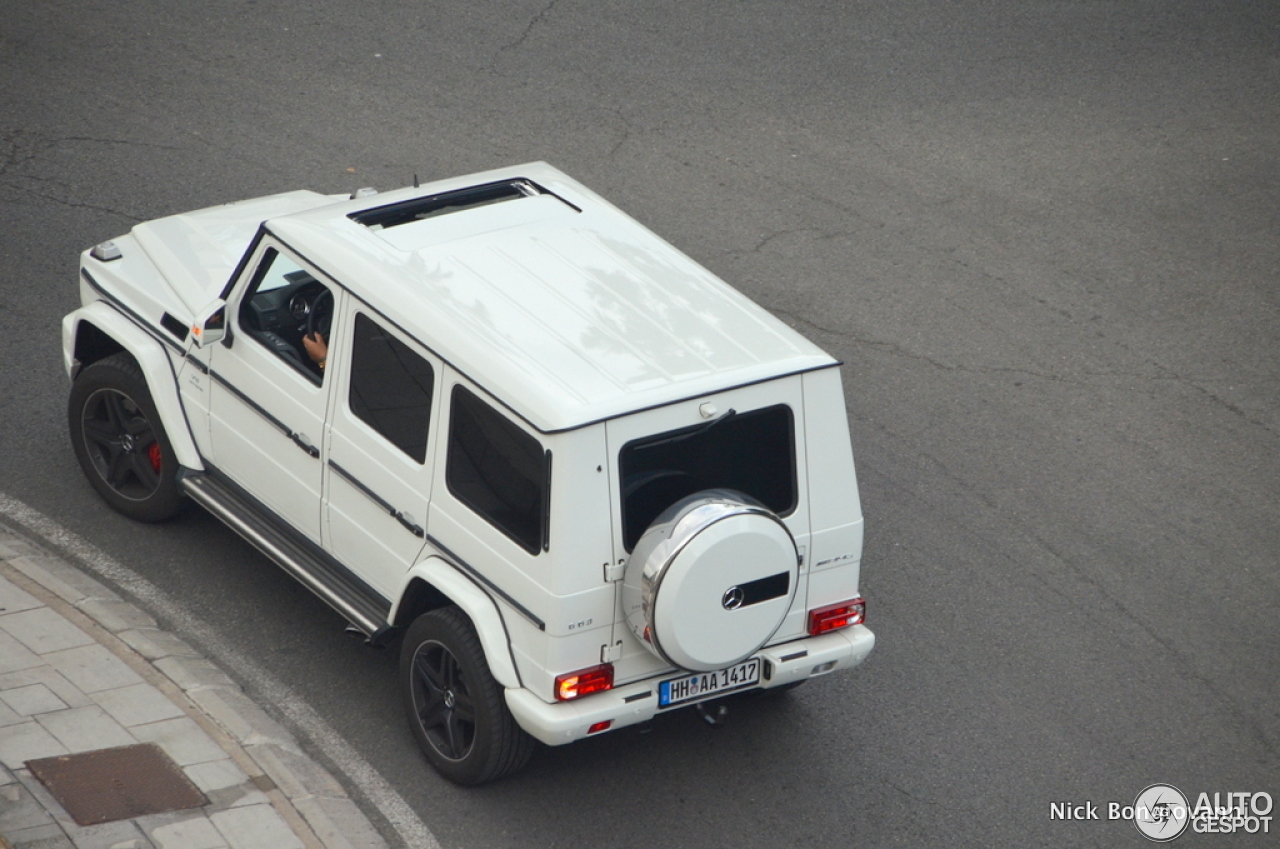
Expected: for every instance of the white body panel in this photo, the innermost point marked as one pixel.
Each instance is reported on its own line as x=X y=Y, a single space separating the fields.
x=836 y=514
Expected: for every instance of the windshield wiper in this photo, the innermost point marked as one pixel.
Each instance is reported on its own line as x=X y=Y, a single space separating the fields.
x=697 y=430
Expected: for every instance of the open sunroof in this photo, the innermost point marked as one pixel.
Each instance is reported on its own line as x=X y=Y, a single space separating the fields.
x=431 y=206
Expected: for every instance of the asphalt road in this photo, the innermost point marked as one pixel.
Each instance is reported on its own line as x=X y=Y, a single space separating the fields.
x=1044 y=237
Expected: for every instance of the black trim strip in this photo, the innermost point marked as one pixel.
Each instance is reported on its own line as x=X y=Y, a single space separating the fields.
x=470 y=570
x=638 y=696
x=546 y=504
x=244 y=262
x=764 y=589
x=257 y=408
x=130 y=313
x=506 y=632
x=398 y=515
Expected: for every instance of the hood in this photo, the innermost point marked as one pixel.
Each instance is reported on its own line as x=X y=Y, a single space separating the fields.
x=197 y=252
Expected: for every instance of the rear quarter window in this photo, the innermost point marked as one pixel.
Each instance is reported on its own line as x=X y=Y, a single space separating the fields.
x=498 y=470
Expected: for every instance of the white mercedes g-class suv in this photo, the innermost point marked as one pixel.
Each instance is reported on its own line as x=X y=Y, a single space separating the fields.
x=583 y=478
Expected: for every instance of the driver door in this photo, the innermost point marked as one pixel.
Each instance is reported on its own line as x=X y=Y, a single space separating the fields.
x=268 y=397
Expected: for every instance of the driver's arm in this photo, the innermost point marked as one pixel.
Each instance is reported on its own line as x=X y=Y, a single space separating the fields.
x=317 y=348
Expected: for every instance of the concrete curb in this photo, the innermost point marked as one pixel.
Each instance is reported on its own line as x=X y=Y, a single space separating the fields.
x=305 y=794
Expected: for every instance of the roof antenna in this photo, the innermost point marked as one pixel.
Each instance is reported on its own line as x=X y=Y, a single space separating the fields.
x=415 y=179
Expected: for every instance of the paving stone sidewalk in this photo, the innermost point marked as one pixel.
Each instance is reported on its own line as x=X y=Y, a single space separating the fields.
x=82 y=670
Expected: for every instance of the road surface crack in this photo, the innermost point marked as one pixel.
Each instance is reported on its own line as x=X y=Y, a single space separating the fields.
x=537 y=19
x=21 y=147
x=1082 y=378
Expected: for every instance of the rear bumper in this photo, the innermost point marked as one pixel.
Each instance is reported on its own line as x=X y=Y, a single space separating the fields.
x=563 y=722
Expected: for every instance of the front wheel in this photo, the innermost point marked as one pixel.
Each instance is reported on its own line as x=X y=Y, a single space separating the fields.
x=455 y=707
x=119 y=441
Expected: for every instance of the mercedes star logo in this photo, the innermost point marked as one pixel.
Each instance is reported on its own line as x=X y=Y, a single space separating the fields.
x=733 y=598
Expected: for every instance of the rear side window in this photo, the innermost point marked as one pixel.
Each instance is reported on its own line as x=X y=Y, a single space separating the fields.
x=754 y=453
x=498 y=470
x=391 y=387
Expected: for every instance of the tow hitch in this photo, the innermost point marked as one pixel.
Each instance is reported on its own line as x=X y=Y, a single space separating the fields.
x=713 y=713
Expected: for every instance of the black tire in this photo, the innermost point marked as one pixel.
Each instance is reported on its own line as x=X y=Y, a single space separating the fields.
x=455 y=707
x=119 y=441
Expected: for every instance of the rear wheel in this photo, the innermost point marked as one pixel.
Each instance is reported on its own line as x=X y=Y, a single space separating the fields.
x=118 y=439
x=455 y=707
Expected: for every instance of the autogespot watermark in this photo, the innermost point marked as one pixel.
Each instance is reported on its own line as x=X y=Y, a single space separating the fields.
x=1161 y=812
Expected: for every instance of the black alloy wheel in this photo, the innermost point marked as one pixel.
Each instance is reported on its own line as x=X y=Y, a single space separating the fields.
x=119 y=442
x=455 y=707
x=444 y=707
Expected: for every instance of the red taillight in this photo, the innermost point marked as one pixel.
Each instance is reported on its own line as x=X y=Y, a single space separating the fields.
x=584 y=682
x=833 y=617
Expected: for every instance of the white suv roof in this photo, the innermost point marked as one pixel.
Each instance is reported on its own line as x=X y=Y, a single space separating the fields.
x=556 y=302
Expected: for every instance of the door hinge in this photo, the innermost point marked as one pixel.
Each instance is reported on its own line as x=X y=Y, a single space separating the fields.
x=608 y=654
x=614 y=571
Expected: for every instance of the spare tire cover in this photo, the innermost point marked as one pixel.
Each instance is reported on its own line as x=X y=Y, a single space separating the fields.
x=710 y=581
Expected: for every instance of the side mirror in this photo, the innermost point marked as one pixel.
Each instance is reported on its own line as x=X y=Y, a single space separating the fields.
x=210 y=324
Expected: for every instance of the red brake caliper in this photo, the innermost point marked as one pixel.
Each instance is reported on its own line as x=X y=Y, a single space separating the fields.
x=153 y=454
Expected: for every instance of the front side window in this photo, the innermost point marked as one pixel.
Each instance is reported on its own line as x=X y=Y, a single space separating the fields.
x=753 y=453
x=498 y=470
x=285 y=303
x=390 y=387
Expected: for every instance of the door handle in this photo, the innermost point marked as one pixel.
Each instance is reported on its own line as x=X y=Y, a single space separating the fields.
x=399 y=515
x=301 y=441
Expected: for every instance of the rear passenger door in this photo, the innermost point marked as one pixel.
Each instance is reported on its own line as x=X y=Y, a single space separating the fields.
x=381 y=442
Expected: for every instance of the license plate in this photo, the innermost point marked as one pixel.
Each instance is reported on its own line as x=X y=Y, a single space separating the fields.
x=702 y=685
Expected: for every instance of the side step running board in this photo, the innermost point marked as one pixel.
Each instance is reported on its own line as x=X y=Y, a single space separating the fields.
x=317 y=571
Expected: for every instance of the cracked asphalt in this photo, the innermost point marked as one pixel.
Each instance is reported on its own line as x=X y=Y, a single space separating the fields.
x=1044 y=238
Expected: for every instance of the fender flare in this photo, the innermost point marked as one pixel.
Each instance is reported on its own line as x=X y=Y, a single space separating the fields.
x=478 y=605
x=157 y=368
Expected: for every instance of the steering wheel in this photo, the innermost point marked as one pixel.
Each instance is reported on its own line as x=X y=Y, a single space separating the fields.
x=325 y=322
